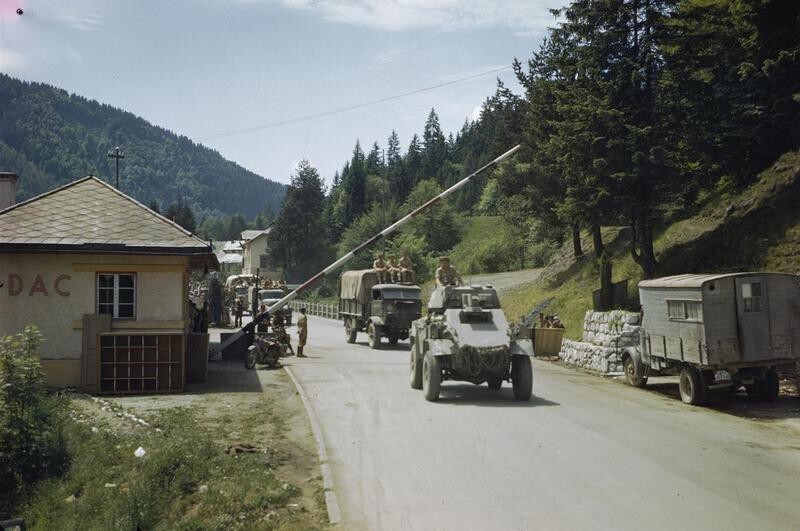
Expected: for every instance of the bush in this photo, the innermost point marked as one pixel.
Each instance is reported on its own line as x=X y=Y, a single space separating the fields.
x=31 y=440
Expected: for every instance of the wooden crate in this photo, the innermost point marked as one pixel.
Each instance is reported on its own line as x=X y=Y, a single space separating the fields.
x=547 y=341
x=140 y=363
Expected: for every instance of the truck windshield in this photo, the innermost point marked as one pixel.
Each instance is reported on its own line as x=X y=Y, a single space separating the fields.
x=402 y=293
x=486 y=300
x=271 y=294
x=241 y=291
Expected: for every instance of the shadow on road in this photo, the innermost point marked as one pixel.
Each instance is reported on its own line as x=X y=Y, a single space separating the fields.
x=227 y=377
x=481 y=395
x=399 y=347
x=738 y=404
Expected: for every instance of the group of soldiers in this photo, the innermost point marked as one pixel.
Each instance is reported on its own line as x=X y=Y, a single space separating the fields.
x=268 y=283
x=391 y=270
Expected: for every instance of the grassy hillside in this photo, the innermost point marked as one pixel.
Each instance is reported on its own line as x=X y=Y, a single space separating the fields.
x=755 y=229
x=50 y=137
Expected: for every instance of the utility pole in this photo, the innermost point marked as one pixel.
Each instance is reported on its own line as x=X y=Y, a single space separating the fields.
x=117 y=154
x=383 y=196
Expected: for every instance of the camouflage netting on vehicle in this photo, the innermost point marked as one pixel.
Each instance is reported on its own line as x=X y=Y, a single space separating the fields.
x=357 y=285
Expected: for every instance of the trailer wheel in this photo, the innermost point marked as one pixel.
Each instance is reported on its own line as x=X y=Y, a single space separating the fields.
x=634 y=372
x=495 y=383
x=349 y=331
x=374 y=335
x=431 y=377
x=522 y=377
x=393 y=339
x=415 y=376
x=691 y=386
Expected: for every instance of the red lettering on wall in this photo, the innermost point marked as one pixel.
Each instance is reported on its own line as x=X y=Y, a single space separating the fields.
x=57 y=285
x=14 y=284
x=38 y=287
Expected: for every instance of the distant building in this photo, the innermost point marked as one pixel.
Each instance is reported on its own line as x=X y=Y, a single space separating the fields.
x=255 y=251
x=230 y=255
x=106 y=281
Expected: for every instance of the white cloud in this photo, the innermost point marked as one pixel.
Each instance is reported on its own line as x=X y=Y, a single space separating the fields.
x=11 y=60
x=444 y=15
x=476 y=113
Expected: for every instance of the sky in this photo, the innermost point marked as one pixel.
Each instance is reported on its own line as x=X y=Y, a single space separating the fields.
x=250 y=78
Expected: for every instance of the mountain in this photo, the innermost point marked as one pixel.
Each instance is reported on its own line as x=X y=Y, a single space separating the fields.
x=50 y=137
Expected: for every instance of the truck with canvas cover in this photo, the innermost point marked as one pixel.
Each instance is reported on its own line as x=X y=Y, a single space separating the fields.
x=466 y=337
x=719 y=331
x=382 y=310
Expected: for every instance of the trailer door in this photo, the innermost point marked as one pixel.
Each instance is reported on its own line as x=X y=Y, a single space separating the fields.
x=753 y=314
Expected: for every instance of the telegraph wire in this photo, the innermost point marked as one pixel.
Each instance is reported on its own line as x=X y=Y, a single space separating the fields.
x=253 y=129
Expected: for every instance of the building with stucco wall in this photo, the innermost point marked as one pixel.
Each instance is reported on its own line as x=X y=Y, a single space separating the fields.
x=255 y=251
x=106 y=281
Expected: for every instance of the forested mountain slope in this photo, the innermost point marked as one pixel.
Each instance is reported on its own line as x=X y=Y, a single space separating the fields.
x=757 y=229
x=50 y=137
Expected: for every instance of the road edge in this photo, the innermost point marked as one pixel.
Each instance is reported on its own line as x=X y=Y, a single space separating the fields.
x=331 y=501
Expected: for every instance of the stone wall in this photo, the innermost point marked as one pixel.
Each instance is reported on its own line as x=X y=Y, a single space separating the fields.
x=606 y=335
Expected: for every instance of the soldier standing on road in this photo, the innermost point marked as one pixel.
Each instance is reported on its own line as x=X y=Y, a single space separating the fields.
x=379 y=266
x=446 y=275
x=238 y=310
x=302 y=332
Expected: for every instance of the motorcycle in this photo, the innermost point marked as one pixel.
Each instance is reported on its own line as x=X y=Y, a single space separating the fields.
x=267 y=349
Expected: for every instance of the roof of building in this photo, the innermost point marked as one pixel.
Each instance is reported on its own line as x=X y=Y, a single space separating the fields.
x=91 y=216
x=233 y=246
x=694 y=280
x=248 y=235
x=230 y=258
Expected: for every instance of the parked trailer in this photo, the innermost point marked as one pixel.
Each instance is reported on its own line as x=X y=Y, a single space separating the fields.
x=379 y=309
x=718 y=331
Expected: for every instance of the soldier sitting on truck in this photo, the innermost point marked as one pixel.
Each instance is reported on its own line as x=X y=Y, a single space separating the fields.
x=446 y=274
x=379 y=266
x=406 y=269
x=392 y=269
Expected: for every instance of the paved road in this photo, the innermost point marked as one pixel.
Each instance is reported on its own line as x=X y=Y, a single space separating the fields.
x=585 y=453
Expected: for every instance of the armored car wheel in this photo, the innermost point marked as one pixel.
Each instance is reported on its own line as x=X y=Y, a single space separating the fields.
x=374 y=336
x=415 y=376
x=692 y=387
x=522 y=377
x=349 y=331
x=431 y=377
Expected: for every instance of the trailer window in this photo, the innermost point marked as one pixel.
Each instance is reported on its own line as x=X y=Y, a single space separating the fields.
x=685 y=310
x=751 y=295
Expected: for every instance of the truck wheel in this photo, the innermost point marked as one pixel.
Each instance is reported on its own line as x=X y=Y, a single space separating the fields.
x=393 y=339
x=374 y=335
x=495 y=383
x=772 y=386
x=349 y=331
x=691 y=386
x=416 y=370
x=522 y=377
x=431 y=377
x=634 y=372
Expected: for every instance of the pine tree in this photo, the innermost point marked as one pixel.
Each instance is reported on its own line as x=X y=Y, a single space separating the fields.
x=434 y=147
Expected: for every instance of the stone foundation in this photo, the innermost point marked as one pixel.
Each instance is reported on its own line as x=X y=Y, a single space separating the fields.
x=606 y=335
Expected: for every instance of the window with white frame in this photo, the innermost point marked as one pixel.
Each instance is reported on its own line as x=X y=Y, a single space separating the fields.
x=751 y=296
x=685 y=310
x=116 y=295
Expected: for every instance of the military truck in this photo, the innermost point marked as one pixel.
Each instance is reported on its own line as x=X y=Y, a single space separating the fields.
x=717 y=332
x=466 y=337
x=382 y=310
x=270 y=296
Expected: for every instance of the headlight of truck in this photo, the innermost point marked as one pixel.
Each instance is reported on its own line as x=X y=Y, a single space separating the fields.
x=389 y=306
